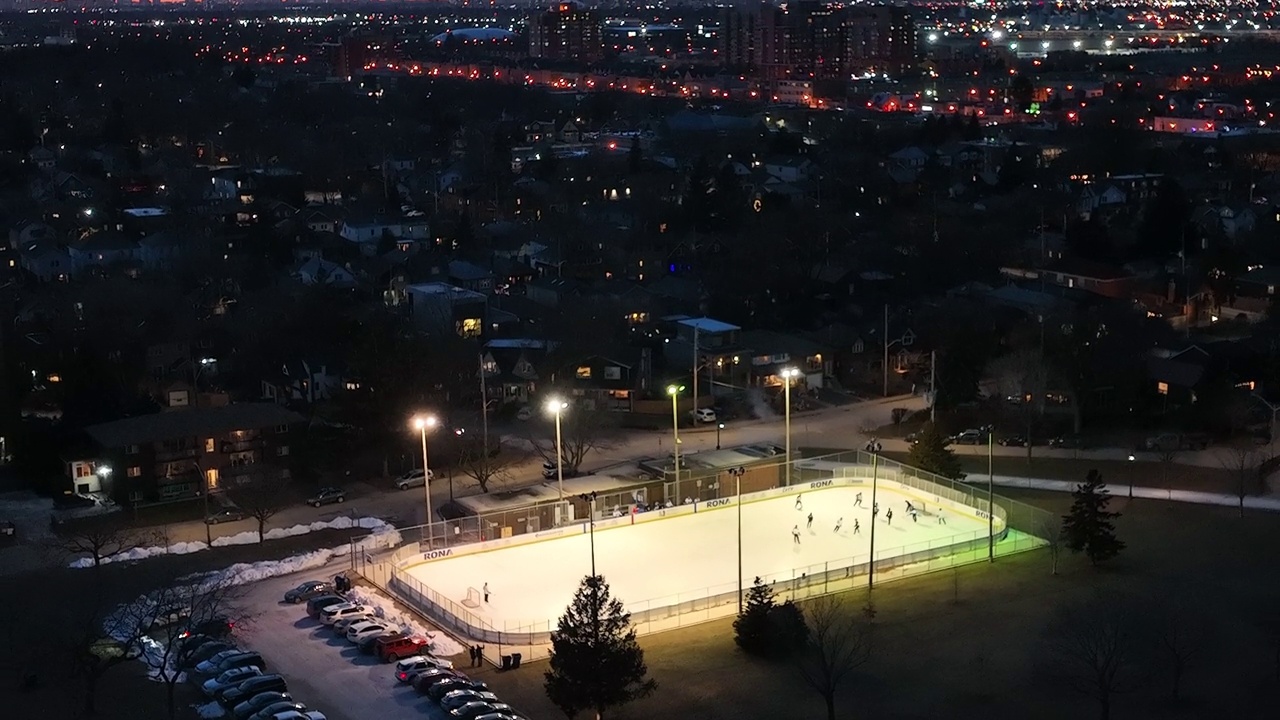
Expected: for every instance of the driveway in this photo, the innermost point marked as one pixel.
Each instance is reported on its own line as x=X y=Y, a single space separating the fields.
x=324 y=670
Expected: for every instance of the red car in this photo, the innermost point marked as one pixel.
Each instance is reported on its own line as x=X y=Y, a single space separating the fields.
x=391 y=649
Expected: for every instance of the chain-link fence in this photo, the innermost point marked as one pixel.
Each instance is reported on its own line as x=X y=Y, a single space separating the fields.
x=1013 y=528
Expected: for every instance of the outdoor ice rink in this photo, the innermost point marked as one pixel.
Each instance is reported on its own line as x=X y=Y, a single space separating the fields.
x=674 y=559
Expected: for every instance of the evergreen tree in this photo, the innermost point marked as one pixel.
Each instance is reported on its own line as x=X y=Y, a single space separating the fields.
x=751 y=628
x=596 y=663
x=1087 y=527
x=931 y=453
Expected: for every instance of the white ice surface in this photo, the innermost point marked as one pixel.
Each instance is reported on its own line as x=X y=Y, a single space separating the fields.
x=691 y=555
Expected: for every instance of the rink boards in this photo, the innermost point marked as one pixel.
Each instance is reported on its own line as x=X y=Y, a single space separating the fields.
x=682 y=562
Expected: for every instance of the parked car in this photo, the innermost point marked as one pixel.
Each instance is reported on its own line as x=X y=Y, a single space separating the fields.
x=549 y=471
x=501 y=715
x=414 y=478
x=298 y=715
x=342 y=624
x=1014 y=441
x=440 y=689
x=391 y=649
x=414 y=664
x=215 y=627
x=250 y=707
x=239 y=659
x=1068 y=442
x=326 y=496
x=969 y=437
x=358 y=630
x=169 y=615
x=524 y=413
x=271 y=711
x=704 y=415
x=368 y=645
x=191 y=655
x=210 y=663
x=472 y=709
x=425 y=680
x=233 y=696
x=229 y=678
x=320 y=603
x=458 y=698
x=308 y=590
x=226 y=515
x=1166 y=442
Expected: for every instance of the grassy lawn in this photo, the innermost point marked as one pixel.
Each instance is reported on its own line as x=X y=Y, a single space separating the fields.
x=984 y=656
x=1116 y=473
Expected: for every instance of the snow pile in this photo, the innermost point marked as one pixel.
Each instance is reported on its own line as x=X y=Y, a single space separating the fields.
x=384 y=533
x=28 y=512
x=383 y=607
x=242 y=573
x=250 y=537
x=210 y=710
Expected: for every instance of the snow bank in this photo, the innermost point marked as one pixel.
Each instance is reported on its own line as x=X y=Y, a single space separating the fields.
x=383 y=607
x=210 y=710
x=380 y=527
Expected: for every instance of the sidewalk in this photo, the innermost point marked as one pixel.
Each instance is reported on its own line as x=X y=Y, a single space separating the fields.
x=1252 y=502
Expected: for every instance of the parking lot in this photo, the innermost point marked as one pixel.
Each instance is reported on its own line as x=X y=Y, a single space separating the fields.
x=324 y=670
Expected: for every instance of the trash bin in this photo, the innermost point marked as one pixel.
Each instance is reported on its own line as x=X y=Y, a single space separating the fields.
x=515 y=660
x=506 y=662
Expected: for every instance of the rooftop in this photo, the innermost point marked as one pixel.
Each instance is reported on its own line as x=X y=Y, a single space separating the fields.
x=191 y=422
x=706 y=324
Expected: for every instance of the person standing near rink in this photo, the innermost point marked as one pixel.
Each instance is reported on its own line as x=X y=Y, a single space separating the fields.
x=839 y=524
x=888 y=516
x=857 y=501
x=857 y=528
x=799 y=505
x=809 y=526
x=795 y=534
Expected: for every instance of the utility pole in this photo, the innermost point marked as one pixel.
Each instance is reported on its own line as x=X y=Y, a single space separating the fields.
x=933 y=386
x=991 y=494
x=695 y=374
x=871 y=561
x=484 y=406
x=885 y=366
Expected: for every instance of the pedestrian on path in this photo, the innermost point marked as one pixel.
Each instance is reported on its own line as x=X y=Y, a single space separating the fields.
x=472 y=652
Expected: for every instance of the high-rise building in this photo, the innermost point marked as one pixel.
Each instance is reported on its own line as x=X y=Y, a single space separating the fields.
x=815 y=40
x=566 y=31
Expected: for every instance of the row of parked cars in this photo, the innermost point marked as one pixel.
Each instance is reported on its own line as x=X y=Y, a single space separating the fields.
x=459 y=695
x=238 y=679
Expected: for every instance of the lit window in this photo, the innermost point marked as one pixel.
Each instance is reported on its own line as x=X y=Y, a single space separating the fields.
x=469 y=327
x=134 y=471
x=1162 y=388
x=584 y=372
x=209 y=445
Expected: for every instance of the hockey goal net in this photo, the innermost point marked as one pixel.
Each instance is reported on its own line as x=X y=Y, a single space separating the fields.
x=473 y=598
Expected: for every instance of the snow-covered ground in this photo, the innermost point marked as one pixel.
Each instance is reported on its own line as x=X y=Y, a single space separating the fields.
x=441 y=645
x=686 y=557
x=249 y=537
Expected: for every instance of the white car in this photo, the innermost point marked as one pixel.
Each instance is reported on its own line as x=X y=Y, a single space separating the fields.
x=414 y=478
x=414 y=664
x=230 y=678
x=343 y=625
x=334 y=613
x=365 y=628
x=704 y=415
x=524 y=413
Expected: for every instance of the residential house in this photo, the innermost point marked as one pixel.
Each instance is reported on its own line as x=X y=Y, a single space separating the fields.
x=318 y=271
x=442 y=309
x=1097 y=278
x=304 y=382
x=367 y=234
x=1229 y=220
x=43 y=158
x=102 y=249
x=470 y=276
x=1259 y=282
x=161 y=251
x=319 y=219
x=1102 y=200
x=772 y=352
x=790 y=170
x=47 y=262
x=910 y=157
x=718 y=348
x=600 y=382
x=26 y=233
x=553 y=291
x=178 y=453
x=511 y=368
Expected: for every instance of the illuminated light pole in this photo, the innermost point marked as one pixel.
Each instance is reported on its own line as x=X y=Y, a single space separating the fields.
x=674 y=392
x=719 y=427
x=787 y=375
x=991 y=494
x=590 y=498
x=871 y=562
x=556 y=407
x=421 y=423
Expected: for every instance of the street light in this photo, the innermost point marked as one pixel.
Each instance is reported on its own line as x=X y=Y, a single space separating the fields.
x=674 y=392
x=787 y=375
x=556 y=407
x=590 y=498
x=719 y=427
x=421 y=423
x=737 y=474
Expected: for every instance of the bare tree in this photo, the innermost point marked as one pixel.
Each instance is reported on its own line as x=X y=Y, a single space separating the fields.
x=1181 y=631
x=1094 y=648
x=1051 y=532
x=262 y=500
x=839 y=643
x=1244 y=462
x=101 y=538
x=486 y=468
x=1168 y=456
x=96 y=639
x=581 y=431
x=1023 y=374
x=198 y=600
